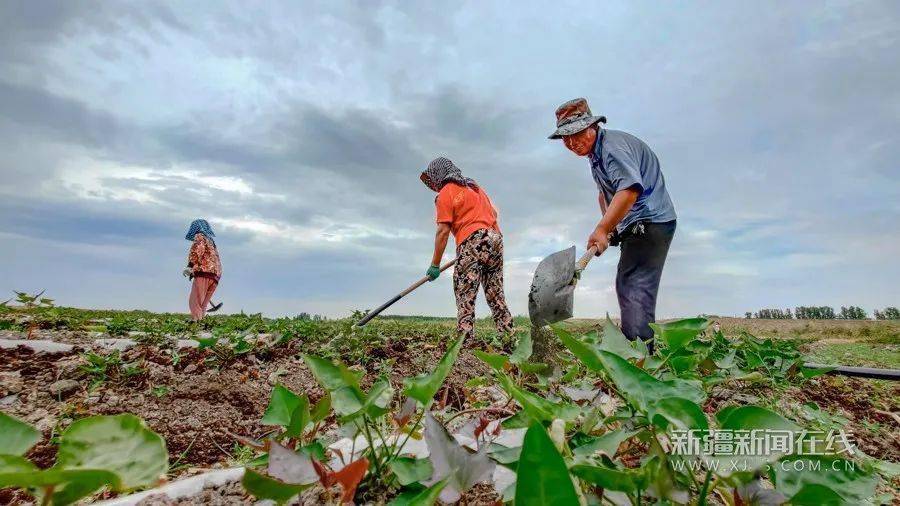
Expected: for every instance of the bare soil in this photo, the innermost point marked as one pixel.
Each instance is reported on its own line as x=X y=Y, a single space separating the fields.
x=196 y=406
x=196 y=403
x=853 y=398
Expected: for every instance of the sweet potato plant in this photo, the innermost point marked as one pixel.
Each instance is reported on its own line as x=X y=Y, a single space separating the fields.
x=599 y=424
x=117 y=452
x=616 y=451
x=296 y=461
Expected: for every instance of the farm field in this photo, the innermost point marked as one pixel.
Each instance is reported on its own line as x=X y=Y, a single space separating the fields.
x=847 y=342
x=206 y=388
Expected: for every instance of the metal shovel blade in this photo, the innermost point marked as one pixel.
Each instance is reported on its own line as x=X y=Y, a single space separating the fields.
x=552 y=292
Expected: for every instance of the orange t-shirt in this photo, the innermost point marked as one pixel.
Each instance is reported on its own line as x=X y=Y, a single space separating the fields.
x=466 y=210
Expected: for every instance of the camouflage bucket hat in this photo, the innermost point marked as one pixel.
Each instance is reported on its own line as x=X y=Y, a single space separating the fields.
x=573 y=117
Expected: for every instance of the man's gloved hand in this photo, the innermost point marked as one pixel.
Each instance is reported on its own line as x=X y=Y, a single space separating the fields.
x=187 y=273
x=433 y=272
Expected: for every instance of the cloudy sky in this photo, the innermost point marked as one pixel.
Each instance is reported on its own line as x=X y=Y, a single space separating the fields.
x=299 y=130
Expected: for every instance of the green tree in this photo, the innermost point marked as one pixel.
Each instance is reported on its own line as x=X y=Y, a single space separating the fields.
x=853 y=313
x=889 y=313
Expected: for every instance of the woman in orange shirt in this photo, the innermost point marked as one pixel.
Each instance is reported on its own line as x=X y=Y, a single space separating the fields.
x=464 y=209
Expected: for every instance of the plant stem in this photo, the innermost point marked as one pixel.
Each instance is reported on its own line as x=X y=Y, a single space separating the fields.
x=372 y=445
x=48 y=495
x=693 y=479
x=663 y=362
x=476 y=410
x=352 y=449
x=664 y=457
x=725 y=498
x=219 y=447
x=701 y=501
x=384 y=443
x=410 y=433
x=184 y=453
x=312 y=434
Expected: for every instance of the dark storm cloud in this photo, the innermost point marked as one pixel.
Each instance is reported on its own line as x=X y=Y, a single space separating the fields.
x=33 y=111
x=304 y=126
x=303 y=133
x=345 y=140
x=356 y=144
x=88 y=224
x=466 y=119
x=27 y=27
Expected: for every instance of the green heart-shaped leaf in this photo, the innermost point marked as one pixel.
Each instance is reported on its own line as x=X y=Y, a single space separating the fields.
x=282 y=405
x=264 y=487
x=121 y=444
x=853 y=481
x=16 y=436
x=679 y=333
x=642 y=389
x=347 y=397
x=425 y=497
x=680 y=413
x=607 y=478
x=537 y=407
x=542 y=477
x=614 y=341
x=495 y=360
x=523 y=349
x=422 y=388
x=410 y=470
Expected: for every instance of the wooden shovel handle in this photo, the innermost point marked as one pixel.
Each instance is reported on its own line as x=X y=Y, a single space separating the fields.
x=582 y=262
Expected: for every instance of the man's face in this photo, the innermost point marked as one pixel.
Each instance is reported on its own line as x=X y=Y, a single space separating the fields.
x=581 y=143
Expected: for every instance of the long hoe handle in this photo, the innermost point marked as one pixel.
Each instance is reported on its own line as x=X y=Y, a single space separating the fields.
x=395 y=298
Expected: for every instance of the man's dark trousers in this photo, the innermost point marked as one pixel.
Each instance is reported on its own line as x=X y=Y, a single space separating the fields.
x=644 y=249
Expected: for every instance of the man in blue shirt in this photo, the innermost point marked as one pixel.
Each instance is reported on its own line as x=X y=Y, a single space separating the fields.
x=638 y=214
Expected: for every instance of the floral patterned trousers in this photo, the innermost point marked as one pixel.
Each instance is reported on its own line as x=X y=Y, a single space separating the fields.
x=479 y=261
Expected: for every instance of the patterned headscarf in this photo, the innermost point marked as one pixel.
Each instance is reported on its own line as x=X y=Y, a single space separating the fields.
x=442 y=171
x=201 y=226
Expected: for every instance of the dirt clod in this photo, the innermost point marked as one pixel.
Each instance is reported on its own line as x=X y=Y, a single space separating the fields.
x=63 y=388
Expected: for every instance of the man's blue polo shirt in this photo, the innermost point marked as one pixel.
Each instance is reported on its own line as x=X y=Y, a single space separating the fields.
x=620 y=161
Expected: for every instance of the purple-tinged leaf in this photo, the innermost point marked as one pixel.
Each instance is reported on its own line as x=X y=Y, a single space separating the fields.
x=291 y=467
x=265 y=487
x=453 y=462
x=401 y=418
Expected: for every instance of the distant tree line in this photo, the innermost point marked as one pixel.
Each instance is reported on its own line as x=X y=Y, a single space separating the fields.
x=314 y=317
x=772 y=314
x=889 y=313
x=853 y=313
x=815 y=313
x=824 y=313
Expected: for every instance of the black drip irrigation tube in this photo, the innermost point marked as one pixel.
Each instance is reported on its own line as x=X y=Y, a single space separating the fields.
x=858 y=372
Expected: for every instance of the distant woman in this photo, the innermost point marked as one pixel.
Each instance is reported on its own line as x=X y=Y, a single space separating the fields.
x=203 y=267
x=464 y=208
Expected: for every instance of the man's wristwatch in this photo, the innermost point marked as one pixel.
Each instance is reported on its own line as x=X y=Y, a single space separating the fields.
x=614 y=238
